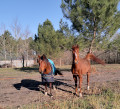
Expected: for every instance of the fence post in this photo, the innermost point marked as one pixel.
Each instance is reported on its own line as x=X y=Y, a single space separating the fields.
x=60 y=61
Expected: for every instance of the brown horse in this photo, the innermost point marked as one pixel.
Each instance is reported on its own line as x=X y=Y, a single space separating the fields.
x=82 y=66
x=46 y=71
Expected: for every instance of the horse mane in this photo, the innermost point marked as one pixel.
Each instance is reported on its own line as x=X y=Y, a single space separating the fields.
x=43 y=57
x=74 y=47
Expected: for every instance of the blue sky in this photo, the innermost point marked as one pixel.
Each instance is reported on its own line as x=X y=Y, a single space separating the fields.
x=30 y=13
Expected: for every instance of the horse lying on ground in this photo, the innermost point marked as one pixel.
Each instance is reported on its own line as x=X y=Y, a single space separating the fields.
x=47 y=71
x=82 y=66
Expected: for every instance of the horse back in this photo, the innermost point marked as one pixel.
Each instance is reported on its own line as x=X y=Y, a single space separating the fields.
x=83 y=66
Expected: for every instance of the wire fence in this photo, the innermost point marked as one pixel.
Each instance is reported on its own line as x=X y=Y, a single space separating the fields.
x=109 y=56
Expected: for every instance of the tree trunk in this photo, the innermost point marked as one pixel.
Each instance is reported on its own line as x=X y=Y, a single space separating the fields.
x=11 y=57
x=4 y=46
x=27 y=58
x=93 y=40
x=60 y=61
x=23 y=61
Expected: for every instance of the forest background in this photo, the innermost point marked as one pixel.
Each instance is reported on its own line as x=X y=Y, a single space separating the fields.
x=94 y=28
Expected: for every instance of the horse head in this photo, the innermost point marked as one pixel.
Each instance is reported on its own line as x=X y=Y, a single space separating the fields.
x=42 y=61
x=75 y=52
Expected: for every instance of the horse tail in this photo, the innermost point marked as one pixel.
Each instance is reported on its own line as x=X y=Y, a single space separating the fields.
x=58 y=72
x=90 y=56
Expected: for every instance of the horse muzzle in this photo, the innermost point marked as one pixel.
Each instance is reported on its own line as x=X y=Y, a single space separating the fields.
x=75 y=62
x=40 y=71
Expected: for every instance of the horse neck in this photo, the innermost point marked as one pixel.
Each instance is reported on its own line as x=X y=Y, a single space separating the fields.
x=78 y=58
x=48 y=68
x=78 y=55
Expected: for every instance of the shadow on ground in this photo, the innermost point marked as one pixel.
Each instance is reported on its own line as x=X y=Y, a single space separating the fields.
x=36 y=69
x=64 y=69
x=39 y=86
x=27 y=69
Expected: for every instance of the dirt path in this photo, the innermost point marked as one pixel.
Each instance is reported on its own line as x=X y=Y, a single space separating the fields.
x=23 y=90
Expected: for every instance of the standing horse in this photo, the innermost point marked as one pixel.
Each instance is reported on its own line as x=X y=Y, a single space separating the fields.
x=82 y=66
x=47 y=71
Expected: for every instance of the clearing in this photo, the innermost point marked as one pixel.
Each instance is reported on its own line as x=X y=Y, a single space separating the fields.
x=20 y=87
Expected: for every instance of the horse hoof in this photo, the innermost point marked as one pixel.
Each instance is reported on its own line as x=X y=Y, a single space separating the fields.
x=39 y=88
x=51 y=96
x=54 y=88
x=75 y=94
x=45 y=93
x=88 y=87
x=80 y=95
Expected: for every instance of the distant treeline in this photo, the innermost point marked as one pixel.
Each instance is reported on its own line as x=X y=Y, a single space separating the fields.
x=93 y=26
x=49 y=42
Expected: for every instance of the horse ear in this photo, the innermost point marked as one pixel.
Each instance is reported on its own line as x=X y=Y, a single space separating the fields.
x=37 y=60
x=44 y=57
x=77 y=46
x=73 y=47
x=39 y=56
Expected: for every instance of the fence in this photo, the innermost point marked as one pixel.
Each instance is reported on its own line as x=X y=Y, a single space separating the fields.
x=17 y=63
x=109 y=56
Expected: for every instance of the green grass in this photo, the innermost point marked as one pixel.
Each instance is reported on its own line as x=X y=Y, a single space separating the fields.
x=107 y=99
x=11 y=72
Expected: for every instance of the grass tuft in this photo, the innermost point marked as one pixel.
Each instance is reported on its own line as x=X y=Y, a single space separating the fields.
x=107 y=99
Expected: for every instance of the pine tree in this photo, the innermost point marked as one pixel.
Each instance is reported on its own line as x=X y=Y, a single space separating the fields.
x=47 y=40
x=115 y=44
x=95 y=19
x=7 y=44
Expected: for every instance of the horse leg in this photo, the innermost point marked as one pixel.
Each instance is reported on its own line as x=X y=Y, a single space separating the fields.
x=50 y=85
x=88 y=87
x=45 y=88
x=80 y=85
x=54 y=86
x=75 y=79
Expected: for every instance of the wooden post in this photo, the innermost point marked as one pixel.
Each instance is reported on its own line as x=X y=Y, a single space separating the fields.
x=60 y=61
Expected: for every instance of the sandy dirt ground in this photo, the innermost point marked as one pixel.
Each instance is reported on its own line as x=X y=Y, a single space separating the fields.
x=23 y=90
